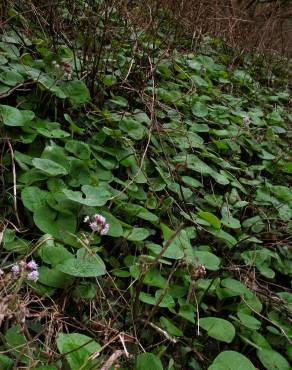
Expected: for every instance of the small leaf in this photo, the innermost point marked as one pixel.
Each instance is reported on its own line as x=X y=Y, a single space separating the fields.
x=170 y=327
x=212 y=219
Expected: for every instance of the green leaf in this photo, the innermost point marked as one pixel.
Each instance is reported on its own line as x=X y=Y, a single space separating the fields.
x=231 y=360
x=179 y=246
x=46 y=82
x=200 y=110
x=148 y=361
x=48 y=166
x=165 y=301
x=6 y=363
x=53 y=277
x=11 y=116
x=16 y=342
x=53 y=253
x=137 y=234
x=207 y=259
x=132 y=127
x=237 y=287
x=56 y=224
x=78 y=148
x=95 y=196
x=79 y=348
x=85 y=290
x=83 y=266
x=249 y=321
x=77 y=92
x=211 y=218
x=170 y=327
x=272 y=360
x=34 y=198
x=10 y=77
x=217 y=328
x=154 y=278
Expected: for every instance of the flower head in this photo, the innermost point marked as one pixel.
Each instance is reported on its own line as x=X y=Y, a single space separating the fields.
x=99 y=219
x=98 y=224
x=246 y=120
x=202 y=270
x=32 y=265
x=15 y=269
x=94 y=226
x=104 y=229
x=33 y=276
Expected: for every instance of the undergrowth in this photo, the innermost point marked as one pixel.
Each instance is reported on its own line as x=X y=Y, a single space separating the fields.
x=145 y=202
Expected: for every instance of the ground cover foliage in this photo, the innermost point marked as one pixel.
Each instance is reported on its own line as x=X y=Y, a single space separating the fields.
x=185 y=153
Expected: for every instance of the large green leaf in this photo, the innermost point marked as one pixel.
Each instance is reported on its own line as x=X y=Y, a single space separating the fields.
x=79 y=348
x=53 y=277
x=33 y=197
x=85 y=265
x=60 y=225
x=217 y=328
x=231 y=360
x=77 y=92
x=48 y=166
x=137 y=234
x=78 y=148
x=95 y=196
x=148 y=361
x=272 y=360
x=199 y=109
x=10 y=77
x=211 y=218
x=132 y=127
x=207 y=259
x=11 y=116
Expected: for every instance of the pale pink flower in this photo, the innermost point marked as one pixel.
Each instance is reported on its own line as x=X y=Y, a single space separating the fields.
x=104 y=229
x=15 y=269
x=94 y=226
x=246 y=120
x=33 y=276
x=32 y=265
x=99 y=219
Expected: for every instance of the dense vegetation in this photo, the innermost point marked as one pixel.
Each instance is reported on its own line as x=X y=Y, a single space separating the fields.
x=145 y=205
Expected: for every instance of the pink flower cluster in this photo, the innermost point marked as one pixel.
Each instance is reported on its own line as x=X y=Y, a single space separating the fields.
x=30 y=269
x=97 y=224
